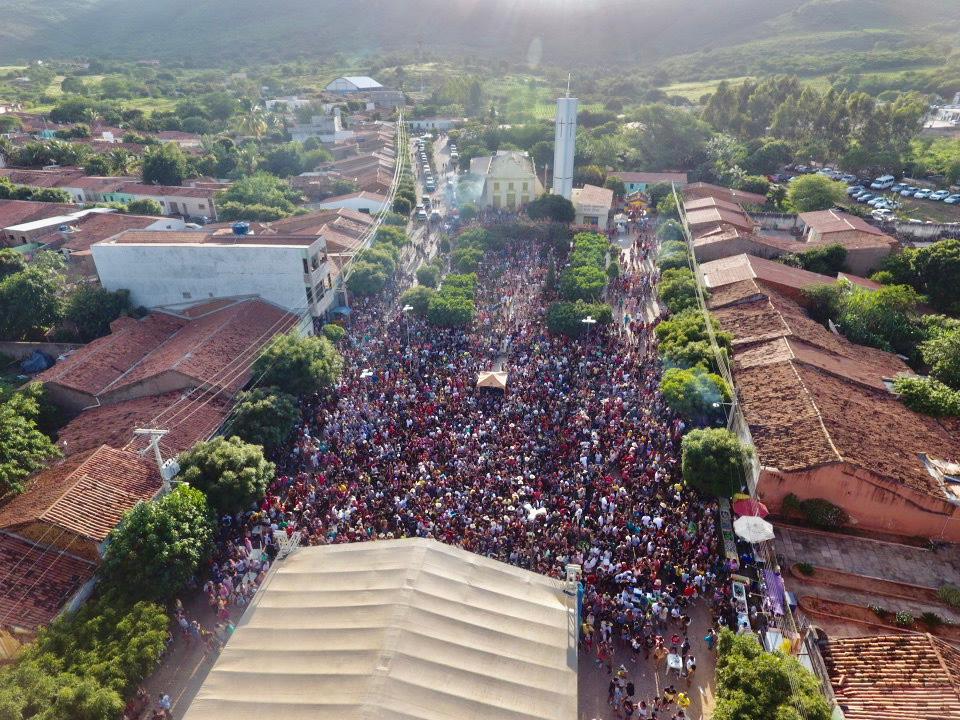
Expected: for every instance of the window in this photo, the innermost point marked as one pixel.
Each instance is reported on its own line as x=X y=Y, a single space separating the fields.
x=315 y=261
x=509 y=186
x=496 y=187
x=526 y=186
x=202 y=206
x=306 y=268
x=309 y=291
x=186 y=296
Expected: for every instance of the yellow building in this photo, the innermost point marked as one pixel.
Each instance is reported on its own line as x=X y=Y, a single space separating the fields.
x=509 y=179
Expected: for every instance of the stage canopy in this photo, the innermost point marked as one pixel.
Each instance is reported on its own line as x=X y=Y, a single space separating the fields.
x=405 y=629
x=492 y=379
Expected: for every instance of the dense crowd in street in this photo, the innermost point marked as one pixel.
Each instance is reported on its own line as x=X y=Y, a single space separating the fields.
x=576 y=462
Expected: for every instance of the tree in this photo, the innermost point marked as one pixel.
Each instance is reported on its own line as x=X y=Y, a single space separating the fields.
x=615 y=184
x=30 y=300
x=284 y=160
x=883 y=318
x=808 y=193
x=942 y=354
x=933 y=271
x=428 y=275
x=566 y=318
x=554 y=208
x=667 y=138
x=165 y=165
x=671 y=230
x=392 y=235
x=468 y=211
x=159 y=546
x=334 y=333
x=713 y=461
x=657 y=192
x=928 y=396
x=667 y=207
x=299 y=366
x=450 y=310
x=402 y=206
x=24 y=449
x=753 y=183
x=261 y=190
x=366 y=278
x=418 y=297
x=11 y=262
x=233 y=473
x=769 y=157
x=98 y=166
x=753 y=684
x=694 y=394
x=264 y=416
x=589 y=175
x=90 y=309
x=144 y=206
x=678 y=289
x=825 y=260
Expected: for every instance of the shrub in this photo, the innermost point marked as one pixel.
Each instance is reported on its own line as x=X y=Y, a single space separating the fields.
x=418 y=297
x=817 y=511
x=904 y=619
x=950 y=594
x=880 y=612
x=931 y=619
x=333 y=332
x=805 y=568
x=928 y=396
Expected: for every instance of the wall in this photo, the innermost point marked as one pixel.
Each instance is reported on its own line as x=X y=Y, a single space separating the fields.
x=873 y=504
x=776 y=221
x=922 y=231
x=360 y=204
x=20 y=350
x=158 y=275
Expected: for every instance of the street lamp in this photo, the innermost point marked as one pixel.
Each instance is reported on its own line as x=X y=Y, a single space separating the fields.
x=589 y=321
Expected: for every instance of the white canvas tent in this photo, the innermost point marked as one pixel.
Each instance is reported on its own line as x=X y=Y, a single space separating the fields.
x=405 y=629
x=492 y=379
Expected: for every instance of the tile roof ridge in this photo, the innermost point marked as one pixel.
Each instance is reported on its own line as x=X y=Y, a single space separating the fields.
x=954 y=682
x=116 y=381
x=813 y=404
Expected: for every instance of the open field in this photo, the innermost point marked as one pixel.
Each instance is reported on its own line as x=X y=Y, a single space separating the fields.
x=930 y=210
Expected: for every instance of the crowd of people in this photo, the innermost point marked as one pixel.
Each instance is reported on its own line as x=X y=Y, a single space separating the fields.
x=577 y=462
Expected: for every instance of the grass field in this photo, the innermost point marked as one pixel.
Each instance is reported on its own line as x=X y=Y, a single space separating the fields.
x=931 y=210
x=693 y=91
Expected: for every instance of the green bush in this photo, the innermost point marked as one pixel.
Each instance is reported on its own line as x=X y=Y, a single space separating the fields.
x=904 y=619
x=950 y=594
x=418 y=297
x=931 y=619
x=677 y=289
x=817 y=511
x=333 y=332
x=566 y=318
x=928 y=396
x=805 y=568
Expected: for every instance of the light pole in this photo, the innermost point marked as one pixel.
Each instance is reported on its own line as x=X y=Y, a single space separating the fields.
x=589 y=322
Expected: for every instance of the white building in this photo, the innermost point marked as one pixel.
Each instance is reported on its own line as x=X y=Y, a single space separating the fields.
x=366 y=202
x=326 y=128
x=353 y=84
x=509 y=179
x=434 y=123
x=564 y=146
x=592 y=206
x=163 y=269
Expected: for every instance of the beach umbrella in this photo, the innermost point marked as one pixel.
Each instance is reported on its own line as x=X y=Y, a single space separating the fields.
x=753 y=529
x=749 y=506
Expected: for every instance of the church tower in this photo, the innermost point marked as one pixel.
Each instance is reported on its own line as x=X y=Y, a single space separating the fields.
x=564 y=145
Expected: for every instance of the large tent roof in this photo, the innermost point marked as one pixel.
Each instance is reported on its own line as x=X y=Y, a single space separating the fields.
x=492 y=379
x=406 y=629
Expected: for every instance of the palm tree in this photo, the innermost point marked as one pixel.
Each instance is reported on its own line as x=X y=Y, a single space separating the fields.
x=251 y=124
x=247 y=159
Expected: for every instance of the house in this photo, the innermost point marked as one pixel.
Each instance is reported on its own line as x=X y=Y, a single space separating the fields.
x=789 y=281
x=167 y=351
x=86 y=189
x=353 y=84
x=42 y=178
x=866 y=245
x=175 y=269
x=187 y=141
x=709 y=213
x=325 y=128
x=825 y=423
x=14 y=213
x=434 y=124
x=81 y=499
x=592 y=206
x=509 y=179
x=699 y=190
x=913 y=676
x=363 y=201
x=188 y=202
x=640 y=181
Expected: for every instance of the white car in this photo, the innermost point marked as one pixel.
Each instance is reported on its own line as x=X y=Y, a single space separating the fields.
x=952 y=199
x=922 y=194
x=940 y=195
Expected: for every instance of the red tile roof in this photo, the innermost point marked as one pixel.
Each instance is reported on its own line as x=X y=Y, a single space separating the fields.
x=831 y=221
x=87 y=494
x=895 y=677
x=95 y=227
x=189 y=416
x=166 y=190
x=700 y=189
x=41 y=178
x=17 y=212
x=732 y=269
x=206 y=348
x=592 y=195
x=35 y=582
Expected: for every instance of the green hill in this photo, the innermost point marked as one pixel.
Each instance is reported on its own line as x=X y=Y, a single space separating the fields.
x=554 y=32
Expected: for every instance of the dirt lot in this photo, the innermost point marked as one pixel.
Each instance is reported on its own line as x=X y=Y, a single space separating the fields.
x=930 y=210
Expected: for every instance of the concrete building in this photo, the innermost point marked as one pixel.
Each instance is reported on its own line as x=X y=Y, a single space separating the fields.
x=564 y=146
x=434 y=123
x=170 y=269
x=509 y=179
x=325 y=128
x=592 y=206
x=363 y=201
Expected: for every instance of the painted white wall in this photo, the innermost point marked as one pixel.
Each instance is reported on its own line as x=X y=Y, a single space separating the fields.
x=367 y=205
x=158 y=274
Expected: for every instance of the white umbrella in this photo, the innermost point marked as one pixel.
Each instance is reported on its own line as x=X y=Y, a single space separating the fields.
x=753 y=529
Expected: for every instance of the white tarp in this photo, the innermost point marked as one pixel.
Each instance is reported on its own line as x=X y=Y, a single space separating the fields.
x=405 y=629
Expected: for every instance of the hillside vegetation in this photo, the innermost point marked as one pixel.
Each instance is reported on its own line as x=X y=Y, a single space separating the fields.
x=706 y=38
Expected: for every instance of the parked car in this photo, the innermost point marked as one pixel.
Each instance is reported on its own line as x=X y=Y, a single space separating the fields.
x=882 y=214
x=940 y=195
x=897 y=187
x=884 y=182
x=865 y=197
x=908 y=192
x=952 y=199
x=850 y=179
x=854 y=189
x=922 y=194
x=873 y=202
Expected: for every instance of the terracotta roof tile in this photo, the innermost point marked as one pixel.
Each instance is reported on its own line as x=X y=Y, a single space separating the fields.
x=95 y=227
x=87 y=494
x=895 y=677
x=700 y=189
x=35 y=582
x=17 y=212
x=651 y=177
